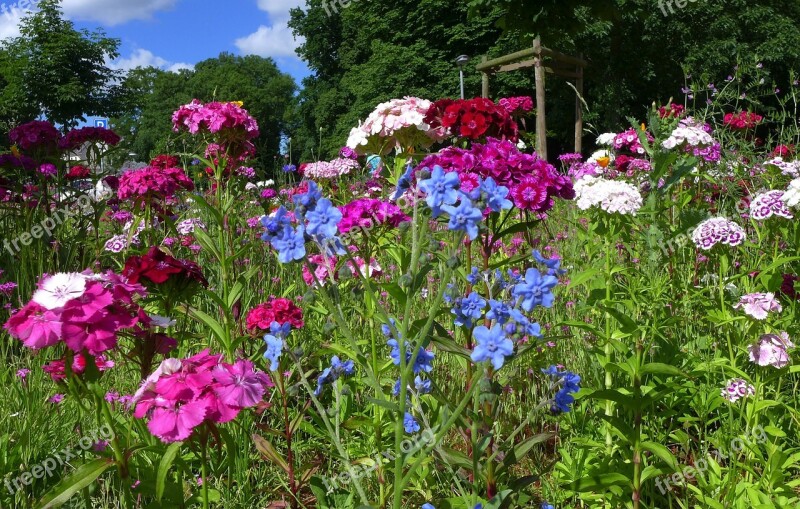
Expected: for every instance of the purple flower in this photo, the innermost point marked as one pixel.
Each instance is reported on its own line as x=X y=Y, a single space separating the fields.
x=737 y=388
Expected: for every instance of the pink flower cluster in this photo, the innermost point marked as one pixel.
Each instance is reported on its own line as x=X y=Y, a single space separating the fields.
x=770 y=350
x=330 y=169
x=86 y=311
x=517 y=105
x=758 y=305
x=181 y=395
x=76 y=138
x=718 y=230
x=57 y=369
x=629 y=141
x=399 y=123
x=325 y=266
x=153 y=183
x=36 y=135
x=766 y=205
x=533 y=182
x=227 y=119
x=366 y=213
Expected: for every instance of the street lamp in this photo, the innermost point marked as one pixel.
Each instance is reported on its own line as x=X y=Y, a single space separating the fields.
x=461 y=61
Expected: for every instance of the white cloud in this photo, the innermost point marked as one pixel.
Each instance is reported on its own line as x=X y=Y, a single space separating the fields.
x=9 y=21
x=278 y=10
x=114 y=12
x=146 y=58
x=270 y=41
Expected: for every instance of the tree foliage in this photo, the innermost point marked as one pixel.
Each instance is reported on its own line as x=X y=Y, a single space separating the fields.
x=152 y=95
x=56 y=71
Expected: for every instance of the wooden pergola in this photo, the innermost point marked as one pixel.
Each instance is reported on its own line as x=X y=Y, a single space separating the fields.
x=543 y=60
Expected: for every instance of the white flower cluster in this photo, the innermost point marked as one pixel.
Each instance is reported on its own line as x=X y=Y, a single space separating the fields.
x=395 y=122
x=610 y=195
x=606 y=139
x=791 y=197
x=790 y=168
x=689 y=135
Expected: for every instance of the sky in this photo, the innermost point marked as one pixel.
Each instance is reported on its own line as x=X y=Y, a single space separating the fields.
x=175 y=34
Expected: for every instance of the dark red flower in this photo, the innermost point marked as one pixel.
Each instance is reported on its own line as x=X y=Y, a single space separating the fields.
x=159 y=267
x=165 y=161
x=78 y=172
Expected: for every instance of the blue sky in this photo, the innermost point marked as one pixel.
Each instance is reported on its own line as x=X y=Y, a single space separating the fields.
x=172 y=34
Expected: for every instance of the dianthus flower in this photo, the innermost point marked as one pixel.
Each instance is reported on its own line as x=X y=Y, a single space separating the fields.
x=158 y=267
x=766 y=205
x=399 y=123
x=184 y=394
x=228 y=120
x=35 y=135
x=152 y=182
x=474 y=119
x=278 y=310
x=736 y=389
x=770 y=350
x=742 y=120
x=758 y=305
x=330 y=169
x=718 y=230
x=366 y=213
x=611 y=196
x=76 y=138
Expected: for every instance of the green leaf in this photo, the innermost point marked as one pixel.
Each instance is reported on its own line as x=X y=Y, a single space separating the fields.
x=599 y=482
x=661 y=453
x=582 y=277
x=267 y=450
x=163 y=468
x=84 y=476
x=658 y=368
x=628 y=326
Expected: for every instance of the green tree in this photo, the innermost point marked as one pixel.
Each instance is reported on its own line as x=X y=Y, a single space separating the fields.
x=56 y=71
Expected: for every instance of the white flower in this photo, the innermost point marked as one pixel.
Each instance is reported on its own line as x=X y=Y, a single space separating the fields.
x=59 y=289
x=611 y=196
x=101 y=191
x=521 y=145
x=116 y=244
x=792 y=195
x=161 y=321
x=250 y=186
x=599 y=155
x=606 y=139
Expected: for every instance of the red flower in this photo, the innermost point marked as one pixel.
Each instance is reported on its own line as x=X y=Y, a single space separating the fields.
x=165 y=161
x=274 y=310
x=783 y=151
x=742 y=120
x=159 y=267
x=78 y=172
x=473 y=125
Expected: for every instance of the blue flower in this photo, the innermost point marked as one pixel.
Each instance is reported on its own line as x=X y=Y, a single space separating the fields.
x=524 y=326
x=309 y=199
x=427 y=506
x=422 y=386
x=275 y=224
x=332 y=373
x=441 y=189
x=495 y=195
x=403 y=183
x=474 y=276
x=547 y=505
x=535 y=290
x=274 y=350
x=291 y=245
x=410 y=424
x=280 y=330
x=464 y=218
x=493 y=346
x=553 y=264
x=499 y=311
x=389 y=329
x=422 y=362
x=324 y=219
x=289 y=168
x=568 y=383
x=468 y=308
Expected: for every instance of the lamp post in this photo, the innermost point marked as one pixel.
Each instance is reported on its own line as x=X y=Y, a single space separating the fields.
x=461 y=61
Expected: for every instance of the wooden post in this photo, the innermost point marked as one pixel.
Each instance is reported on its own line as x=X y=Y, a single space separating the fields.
x=484 y=80
x=579 y=108
x=541 y=123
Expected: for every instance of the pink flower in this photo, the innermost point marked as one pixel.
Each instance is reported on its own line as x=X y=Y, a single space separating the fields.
x=240 y=385
x=56 y=399
x=758 y=305
x=175 y=422
x=770 y=350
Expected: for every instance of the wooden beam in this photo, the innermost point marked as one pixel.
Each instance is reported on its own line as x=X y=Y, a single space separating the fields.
x=484 y=80
x=505 y=59
x=579 y=111
x=541 y=122
x=519 y=65
x=557 y=55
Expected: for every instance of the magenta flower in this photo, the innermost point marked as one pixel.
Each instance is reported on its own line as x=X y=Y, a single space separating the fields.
x=240 y=385
x=56 y=399
x=176 y=422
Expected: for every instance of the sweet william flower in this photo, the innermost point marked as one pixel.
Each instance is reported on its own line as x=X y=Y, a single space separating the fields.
x=241 y=385
x=759 y=305
x=492 y=346
x=55 y=291
x=175 y=422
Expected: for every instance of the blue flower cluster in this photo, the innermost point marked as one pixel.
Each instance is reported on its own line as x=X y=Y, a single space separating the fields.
x=568 y=384
x=443 y=194
x=424 y=357
x=495 y=341
x=317 y=219
x=332 y=373
x=274 y=341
